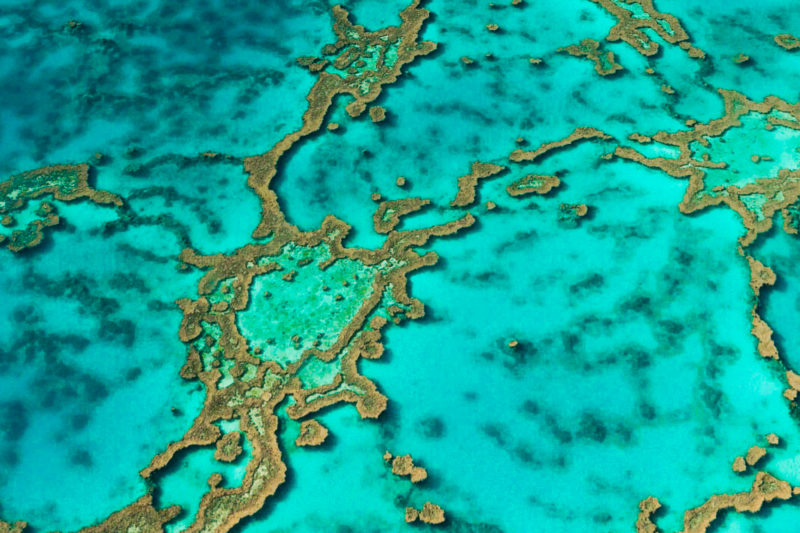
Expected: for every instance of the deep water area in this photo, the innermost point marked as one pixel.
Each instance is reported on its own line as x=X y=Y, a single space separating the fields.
x=567 y=367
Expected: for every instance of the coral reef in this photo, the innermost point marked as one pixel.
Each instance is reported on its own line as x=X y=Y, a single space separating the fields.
x=140 y=516
x=388 y=214
x=249 y=385
x=533 y=184
x=635 y=15
x=18 y=527
x=404 y=466
x=312 y=433
x=604 y=62
x=765 y=489
x=761 y=275
x=693 y=163
x=377 y=113
x=580 y=134
x=468 y=183
x=65 y=183
x=754 y=455
x=229 y=447
x=429 y=514
x=787 y=41
x=569 y=215
x=384 y=53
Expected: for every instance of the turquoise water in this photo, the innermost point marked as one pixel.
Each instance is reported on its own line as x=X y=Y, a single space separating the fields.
x=635 y=375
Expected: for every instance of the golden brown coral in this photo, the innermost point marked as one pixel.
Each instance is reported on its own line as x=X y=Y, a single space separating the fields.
x=533 y=184
x=363 y=86
x=139 y=516
x=468 y=183
x=765 y=488
x=312 y=433
x=580 y=134
x=761 y=275
x=629 y=27
x=779 y=192
x=229 y=447
x=431 y=513
x=16 y=527
x=404 y=466
x=377 y=113
x=754 y=455
x=65 y=183
x=604 y=62
x=644 y=523
x=388 y=214
x=787 y=41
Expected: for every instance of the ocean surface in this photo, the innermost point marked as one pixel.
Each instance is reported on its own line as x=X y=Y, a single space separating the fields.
x=632 y=371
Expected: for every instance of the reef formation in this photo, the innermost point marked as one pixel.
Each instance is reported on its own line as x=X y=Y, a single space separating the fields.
x=259 y=359
x=26 y=202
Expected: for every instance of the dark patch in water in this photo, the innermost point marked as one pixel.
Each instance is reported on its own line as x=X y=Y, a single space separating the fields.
x=432 y=427
x=591 y=427
x=81 y=458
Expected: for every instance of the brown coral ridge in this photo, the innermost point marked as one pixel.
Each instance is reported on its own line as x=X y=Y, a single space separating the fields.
x=533 y=184
x=754 y=455
x=604 y=63
x=629 y=28
x=761 y=275
x=16 y=527
x=579 y=135
x=794 y=386
x=430 y=514
x=229 y=447
x=765 y=489
x=65 y=183
x=647 y=508
x=468 y=183
x=780 y=192
x=403 y=465
x=377 y=113
x=140 y=516
x=254 y=401
x=353 y=42
x=388 y=214
x=787 y=41
x=312 y=433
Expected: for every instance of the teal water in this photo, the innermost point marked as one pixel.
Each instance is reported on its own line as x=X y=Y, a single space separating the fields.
x=636 y=373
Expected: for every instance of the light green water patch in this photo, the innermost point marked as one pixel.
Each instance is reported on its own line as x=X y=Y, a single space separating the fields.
x=315 y=373
x=636 y=10
x=605 y=64
x=285 y=318
x=345 y=386
x=366 y=61
x=667 y=28
x=755 y=204
x=738 y=145
x=223 y=293
x=656 y=150
x=391 y=54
